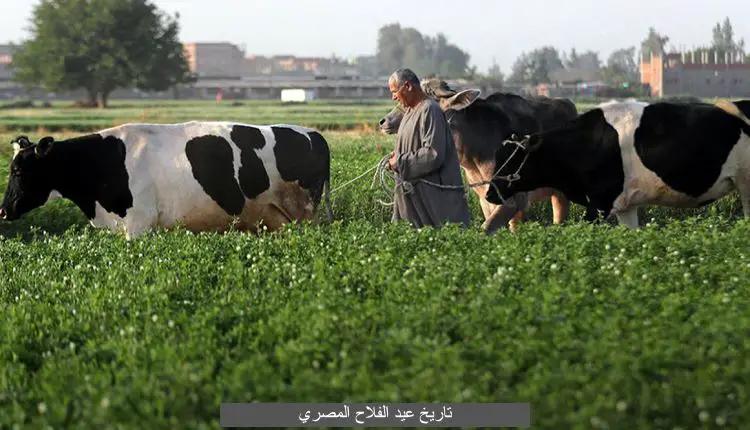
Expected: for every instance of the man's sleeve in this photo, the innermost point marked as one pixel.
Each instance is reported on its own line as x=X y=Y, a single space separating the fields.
x=431 y=153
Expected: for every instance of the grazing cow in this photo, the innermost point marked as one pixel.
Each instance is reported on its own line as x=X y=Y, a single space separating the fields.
x=623 y=155
x=202 y=175
x=480 y=126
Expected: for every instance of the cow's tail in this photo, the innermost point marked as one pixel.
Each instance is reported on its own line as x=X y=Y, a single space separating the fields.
x=320 y=188
x=327 y=198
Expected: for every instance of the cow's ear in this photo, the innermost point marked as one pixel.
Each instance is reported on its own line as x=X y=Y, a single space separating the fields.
x=19 y=143
x=44 y=146
x=462 y=99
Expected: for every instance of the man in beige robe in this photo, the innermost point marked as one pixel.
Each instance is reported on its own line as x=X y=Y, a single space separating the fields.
x=425 y=151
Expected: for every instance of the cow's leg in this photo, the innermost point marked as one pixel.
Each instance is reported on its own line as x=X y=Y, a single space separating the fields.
x=487 y=207
x=560 y=207
x=141 y=217
x=499 y=218
x=517 y=219
x=504 y=213
x=138 y=222
x=133 y=231
x=629 y=217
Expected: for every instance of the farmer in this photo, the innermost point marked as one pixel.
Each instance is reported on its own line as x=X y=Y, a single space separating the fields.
x=424 y=152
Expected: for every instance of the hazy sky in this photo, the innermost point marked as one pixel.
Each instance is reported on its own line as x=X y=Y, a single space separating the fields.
x=487 y=29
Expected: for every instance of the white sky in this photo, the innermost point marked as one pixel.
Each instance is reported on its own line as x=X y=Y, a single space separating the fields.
x=486 y=29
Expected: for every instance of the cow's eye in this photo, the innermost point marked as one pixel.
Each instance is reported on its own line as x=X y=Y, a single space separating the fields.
x=15 y=172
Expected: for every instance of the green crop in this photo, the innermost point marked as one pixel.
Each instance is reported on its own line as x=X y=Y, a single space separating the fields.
x=595 y=325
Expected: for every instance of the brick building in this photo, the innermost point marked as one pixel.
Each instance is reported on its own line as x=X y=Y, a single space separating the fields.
x=703 y=73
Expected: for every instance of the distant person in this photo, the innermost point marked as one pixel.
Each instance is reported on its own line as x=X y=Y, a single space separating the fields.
x=424 y=150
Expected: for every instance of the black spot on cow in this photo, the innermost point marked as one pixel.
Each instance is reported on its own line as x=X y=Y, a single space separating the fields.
x=212 y=162
x=581 y=159
x=253 y=176
x=86 y=170
x=249 y=136
x=744 y=107
x=301 y=159
x=686 y=145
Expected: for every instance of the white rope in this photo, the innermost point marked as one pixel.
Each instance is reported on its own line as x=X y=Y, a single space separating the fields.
x=389 y=182
x=347 y=183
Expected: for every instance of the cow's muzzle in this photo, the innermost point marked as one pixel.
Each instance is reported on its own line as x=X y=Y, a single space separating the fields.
x=386 y=128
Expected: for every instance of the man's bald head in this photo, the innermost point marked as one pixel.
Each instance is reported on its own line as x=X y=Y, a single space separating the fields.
x=405 y=88
x=402 y=76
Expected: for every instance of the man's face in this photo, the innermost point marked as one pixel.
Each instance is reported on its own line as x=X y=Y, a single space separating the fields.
x=399 y=93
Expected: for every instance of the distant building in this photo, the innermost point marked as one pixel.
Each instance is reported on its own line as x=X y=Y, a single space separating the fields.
x=8 y=88
x=702 y=73
x=367 y=65
x=223 y=60
x=573 y=82
x=256 y=65
x=6 y=57
x=215 y=60
x=271 y=87
x=574 y=75
x=581 y=89
x=224 y=71
x=311 y=66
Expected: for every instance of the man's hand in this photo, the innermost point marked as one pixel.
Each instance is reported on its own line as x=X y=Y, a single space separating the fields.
x=392 y=161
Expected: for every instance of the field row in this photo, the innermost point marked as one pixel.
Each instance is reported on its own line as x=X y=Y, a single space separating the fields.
x=342 y=115
x=323 y=116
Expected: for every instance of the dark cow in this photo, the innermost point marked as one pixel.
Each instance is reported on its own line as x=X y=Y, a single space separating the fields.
x=202 y=175
x=623 y=155
x=479 y=128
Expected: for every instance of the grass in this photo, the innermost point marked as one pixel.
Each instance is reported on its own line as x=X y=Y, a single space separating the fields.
x=595 y=325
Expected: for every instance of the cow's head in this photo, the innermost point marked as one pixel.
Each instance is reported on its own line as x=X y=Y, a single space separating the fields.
x=450 y=101
x=514 y=171
x=29 y=183
x=390 y=123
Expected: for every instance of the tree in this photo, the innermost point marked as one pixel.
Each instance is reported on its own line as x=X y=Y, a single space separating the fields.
x=589 y=60
x=621 y=67
x=407 y=47
x=654 y=43
x=534 y=67
x=723 y=39
x=494 y=72
x=448 y=60
x=101 y=45
x=390 y=52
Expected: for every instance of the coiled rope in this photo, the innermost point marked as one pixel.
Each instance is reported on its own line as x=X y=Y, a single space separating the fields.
x=388 y=181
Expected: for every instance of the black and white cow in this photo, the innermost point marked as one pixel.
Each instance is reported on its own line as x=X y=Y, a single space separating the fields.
x=623 y=155
x=202 y=175
x=479 y=126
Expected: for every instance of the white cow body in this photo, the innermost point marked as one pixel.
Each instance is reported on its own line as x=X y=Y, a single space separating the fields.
x=643 y=186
